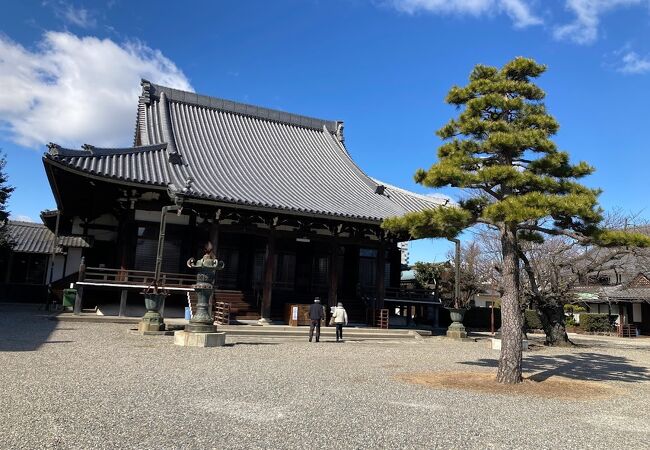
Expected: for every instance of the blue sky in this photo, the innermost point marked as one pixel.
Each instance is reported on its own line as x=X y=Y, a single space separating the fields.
x=69 y=73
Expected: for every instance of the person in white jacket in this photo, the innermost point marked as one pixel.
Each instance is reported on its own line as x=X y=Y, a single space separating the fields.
x=340 y=317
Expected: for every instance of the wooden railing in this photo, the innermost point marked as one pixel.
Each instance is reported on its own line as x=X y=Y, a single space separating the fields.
x=382 y=318
x=625 y=330
x=409 y=294
x=222 y=313
x=135 y=277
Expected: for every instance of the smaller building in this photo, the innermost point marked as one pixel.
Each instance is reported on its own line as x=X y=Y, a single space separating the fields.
x=27 y=268
x=630 y=301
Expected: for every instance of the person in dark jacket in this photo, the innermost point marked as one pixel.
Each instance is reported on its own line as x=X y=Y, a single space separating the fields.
x=316 y=314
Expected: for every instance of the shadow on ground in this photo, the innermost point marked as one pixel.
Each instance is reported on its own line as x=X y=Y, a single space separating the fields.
x=580 y=366
x=25 y=328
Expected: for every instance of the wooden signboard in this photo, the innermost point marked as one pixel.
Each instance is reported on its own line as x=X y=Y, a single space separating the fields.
x=298 y=315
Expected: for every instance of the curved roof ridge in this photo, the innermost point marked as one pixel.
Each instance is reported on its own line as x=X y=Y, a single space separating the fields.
x=90 y=150
x=411 y=193
x=345 y=156
x=152 y=91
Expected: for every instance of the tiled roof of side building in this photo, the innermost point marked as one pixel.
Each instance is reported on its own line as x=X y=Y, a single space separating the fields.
x=30 y=237
x=246 y=155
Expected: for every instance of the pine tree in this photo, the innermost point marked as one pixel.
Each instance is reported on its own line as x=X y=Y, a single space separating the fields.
x=5 y=193
x=500 y=148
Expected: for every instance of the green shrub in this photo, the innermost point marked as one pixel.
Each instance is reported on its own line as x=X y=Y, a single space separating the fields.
x=595 y=322
x=570 y=308
x=532 y=321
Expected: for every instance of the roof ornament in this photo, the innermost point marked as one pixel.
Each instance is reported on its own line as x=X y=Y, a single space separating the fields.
x=147 y=91
x=53 y=148
x=175 y=158
x=188 y=185
x=339 y=131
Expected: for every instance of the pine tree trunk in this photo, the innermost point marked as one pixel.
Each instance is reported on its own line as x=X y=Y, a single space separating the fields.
x=511 y=317
x=553 y=322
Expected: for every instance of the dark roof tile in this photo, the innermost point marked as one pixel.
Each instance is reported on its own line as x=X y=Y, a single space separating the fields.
x=244 y=154
x=30 y=237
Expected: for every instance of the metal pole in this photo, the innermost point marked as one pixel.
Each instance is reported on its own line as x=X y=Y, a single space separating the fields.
x=161 y=241
x=492 y=319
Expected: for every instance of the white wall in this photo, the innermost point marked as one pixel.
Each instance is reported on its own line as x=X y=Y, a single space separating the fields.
x=58 y=268
x=71 y=265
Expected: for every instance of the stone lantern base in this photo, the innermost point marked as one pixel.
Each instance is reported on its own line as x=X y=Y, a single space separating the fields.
x=193 y=339
x=456 y=331
x=152 y=321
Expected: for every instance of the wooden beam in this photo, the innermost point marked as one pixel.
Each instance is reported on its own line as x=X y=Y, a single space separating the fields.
x=269 y=270
x=380 y=290
x=80 y=290
x=10 y=260
x=334 y=273
x=78 y=300
x=123 y=296
x=214 y=236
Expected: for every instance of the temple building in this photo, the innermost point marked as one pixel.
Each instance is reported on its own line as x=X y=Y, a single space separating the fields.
x=277 y=194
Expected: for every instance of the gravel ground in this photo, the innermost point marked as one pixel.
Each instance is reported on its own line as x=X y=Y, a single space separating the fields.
x=85 y=385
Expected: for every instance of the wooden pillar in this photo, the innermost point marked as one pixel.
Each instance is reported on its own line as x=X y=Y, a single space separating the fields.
x=334 y=272
x=79 y=298
x=123 y=295
x=214 y=236
x=189 y=244
x=269 y=270
x=380 y=288
x=10 y=261
x=125 y=237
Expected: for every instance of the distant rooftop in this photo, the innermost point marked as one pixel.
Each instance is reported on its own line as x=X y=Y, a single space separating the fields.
x=30 y=237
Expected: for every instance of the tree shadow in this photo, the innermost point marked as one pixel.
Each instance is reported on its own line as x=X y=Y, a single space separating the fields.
x=579 y=366
x=237 y=344
x=23 y=328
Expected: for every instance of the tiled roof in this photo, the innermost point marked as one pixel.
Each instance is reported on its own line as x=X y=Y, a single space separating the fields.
x=147 y=164
x=29 y=237
x=604 y=294
x=630 y=294
x=245 y=155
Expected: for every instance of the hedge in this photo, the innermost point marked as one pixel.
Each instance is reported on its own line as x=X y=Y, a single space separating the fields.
x=531 y=320
x=595 y=322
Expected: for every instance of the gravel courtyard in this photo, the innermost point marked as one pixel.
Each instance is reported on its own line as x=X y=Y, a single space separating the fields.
x=86 y=385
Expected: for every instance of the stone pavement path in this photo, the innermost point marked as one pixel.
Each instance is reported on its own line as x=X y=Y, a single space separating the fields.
x=91 y=385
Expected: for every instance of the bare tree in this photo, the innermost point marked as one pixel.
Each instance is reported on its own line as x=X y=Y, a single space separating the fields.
x=554 y=267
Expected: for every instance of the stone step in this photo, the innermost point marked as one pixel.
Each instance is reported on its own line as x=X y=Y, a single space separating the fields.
x=348 y=333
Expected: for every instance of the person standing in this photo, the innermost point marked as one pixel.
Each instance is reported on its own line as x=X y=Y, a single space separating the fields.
x=340 y=318
x=315 y=316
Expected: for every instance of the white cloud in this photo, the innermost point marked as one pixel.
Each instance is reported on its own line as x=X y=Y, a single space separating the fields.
x=584 y=29
x=79 y=16
x=520 y=13
x=73 y=90
x=518 y=10
x=71 y=14
x=632 y=63
x=21 y=218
